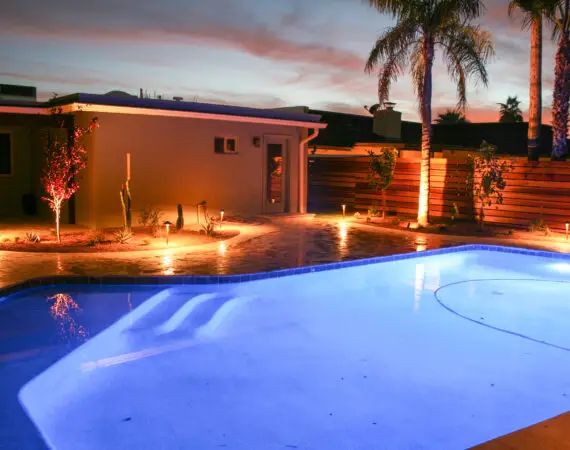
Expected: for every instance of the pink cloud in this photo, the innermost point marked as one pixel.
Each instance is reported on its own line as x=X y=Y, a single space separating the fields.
x=256 y=41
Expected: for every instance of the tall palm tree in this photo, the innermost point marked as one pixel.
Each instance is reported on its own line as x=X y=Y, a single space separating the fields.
x=533 y=12
x=422 y=26
x=451 y=117
x=560 y=16
x=510 y=111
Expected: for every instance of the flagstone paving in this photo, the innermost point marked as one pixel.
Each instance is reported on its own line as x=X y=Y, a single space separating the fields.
x=280 y=245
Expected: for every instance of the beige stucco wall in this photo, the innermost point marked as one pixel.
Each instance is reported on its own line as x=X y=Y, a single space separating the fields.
x=173 y=161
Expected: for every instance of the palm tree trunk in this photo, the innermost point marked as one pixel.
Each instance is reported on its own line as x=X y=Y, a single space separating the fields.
x=535 y=107
x=560 y=99
x=425 y=106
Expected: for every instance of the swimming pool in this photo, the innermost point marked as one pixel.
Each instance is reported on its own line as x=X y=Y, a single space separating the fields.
x=443 y=350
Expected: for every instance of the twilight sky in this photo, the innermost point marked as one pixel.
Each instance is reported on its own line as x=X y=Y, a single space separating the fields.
x=248 y=52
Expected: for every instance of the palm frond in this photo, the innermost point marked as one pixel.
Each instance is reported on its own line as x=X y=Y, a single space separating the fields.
x=390 y=53
x=466 y=50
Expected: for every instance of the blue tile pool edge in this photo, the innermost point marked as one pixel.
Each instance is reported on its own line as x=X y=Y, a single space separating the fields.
x=157 y=280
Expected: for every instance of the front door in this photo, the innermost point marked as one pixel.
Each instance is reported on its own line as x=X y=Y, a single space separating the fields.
x=274 y=176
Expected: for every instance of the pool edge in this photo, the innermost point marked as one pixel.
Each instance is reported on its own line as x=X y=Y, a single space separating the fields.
x=161 y=280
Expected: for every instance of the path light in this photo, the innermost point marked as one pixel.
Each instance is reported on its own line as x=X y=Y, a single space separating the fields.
x=221 y=217
x=343 y=210
x=167 y=225
x=567 y=225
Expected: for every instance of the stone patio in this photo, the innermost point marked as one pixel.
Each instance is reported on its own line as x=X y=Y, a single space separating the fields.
x=282 y=244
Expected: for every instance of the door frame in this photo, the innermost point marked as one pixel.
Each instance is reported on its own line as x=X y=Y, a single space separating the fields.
x=283 y=140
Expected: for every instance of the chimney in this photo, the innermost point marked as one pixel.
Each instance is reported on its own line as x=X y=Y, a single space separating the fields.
x=387 y=122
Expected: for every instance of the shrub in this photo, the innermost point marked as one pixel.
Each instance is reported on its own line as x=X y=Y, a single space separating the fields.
x=17 y=239
x=151 y=217
x=32 y=237
x=122 y=236
x=373 y=210
x=209 y=224
x=381 y=172
x=539 y=225
x=6 y=239
x=486 y=181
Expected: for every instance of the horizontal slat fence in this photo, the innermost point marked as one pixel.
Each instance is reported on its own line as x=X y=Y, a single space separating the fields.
x=534 y=190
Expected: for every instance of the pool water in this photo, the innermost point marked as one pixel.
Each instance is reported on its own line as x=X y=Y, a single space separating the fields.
x=435 y=352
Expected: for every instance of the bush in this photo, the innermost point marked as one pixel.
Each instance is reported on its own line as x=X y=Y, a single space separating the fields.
x=373 y=210
x=122 y=236
x=539 y=225
x=151 y=217
x=209 y=225
x=32 y=237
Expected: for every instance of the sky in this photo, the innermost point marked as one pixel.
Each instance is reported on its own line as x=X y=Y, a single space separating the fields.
x=259 y=53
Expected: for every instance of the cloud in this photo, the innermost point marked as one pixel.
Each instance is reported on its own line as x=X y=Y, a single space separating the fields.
x=155 y=27
x=62 y=80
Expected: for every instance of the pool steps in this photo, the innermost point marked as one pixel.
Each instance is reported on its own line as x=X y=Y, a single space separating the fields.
x=200 y=315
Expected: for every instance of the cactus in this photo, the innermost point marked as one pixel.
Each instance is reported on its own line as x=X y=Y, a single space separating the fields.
x=180 y=219
x=126 y=202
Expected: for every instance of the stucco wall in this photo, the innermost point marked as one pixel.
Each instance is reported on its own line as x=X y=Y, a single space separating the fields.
x=173 y=161
x=27 y=160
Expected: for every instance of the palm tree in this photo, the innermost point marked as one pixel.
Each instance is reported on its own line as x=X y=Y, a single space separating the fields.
x=423 y=26
x=451 y=117
x=560 y=16
x=533 y=11
x=510 y=111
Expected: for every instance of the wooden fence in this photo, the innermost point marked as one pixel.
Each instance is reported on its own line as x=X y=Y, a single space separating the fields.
x=534 y=190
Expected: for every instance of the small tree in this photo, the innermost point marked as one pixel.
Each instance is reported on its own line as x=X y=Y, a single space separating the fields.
x=381 y=172
x=65 y=157
x=486 y=180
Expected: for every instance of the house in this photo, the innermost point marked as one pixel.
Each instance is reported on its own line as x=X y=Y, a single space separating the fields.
x=246 y=161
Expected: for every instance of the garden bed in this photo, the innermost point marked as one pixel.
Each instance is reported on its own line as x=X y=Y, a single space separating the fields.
x=462 y=228
x=106 y=240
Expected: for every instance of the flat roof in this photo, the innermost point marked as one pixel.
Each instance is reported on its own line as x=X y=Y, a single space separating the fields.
x=182 y=106
x=170 y=107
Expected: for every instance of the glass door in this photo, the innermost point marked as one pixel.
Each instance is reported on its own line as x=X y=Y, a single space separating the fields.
x=274 y=197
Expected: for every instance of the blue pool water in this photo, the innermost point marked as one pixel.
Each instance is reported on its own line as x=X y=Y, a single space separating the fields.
x=435 y=352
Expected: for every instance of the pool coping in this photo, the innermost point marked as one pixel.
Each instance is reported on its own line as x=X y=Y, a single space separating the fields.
x=157 y=280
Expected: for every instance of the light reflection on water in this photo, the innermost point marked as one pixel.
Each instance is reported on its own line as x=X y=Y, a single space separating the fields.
x=63 y=309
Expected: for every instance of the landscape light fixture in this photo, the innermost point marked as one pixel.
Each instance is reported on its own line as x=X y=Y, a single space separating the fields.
x=343 y=210
x=221 y=217
x=167 y=225
x=567 y=225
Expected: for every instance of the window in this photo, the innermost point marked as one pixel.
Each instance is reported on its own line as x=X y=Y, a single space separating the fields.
x=5 y=154
x=225 y=145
